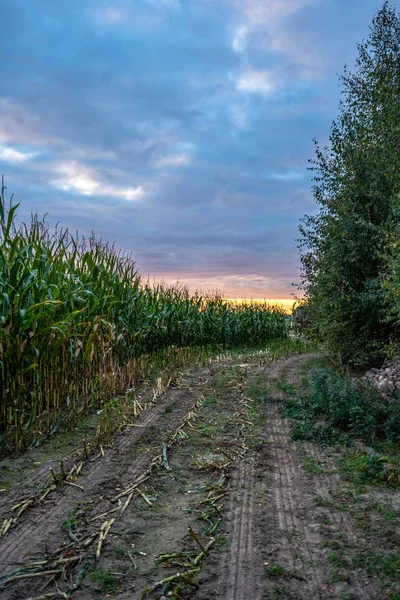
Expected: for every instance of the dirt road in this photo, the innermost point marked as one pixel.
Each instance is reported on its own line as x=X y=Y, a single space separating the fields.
x=203 y=496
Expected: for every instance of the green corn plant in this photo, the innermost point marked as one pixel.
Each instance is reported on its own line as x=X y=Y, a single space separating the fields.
x=78 y=326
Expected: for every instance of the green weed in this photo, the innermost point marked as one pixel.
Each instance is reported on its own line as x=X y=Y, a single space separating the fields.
x=210 y=400
x=388 y=513
x=372 y=467
x=222 y=543
x=105 y=580
x=339 y=409
x=336 y=576
x=313 y=465
x=273 y=570
x=338 y=561
x=70 y=522
x=386 y=565
x=286 y=387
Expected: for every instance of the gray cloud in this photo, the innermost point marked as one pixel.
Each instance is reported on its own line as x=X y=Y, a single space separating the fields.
x=179 y=130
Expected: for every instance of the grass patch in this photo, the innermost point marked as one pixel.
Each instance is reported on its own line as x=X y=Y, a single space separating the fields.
x=106 y=581
x=273 y=570
x=227 y=377
x=337 y=561
x=208 y=429
x=313 y=465
x=210 y=400
x=336 y=576
x=222 y=543
x=257 y=388
x=374 y=563
x=286 y=387
x=388 y=513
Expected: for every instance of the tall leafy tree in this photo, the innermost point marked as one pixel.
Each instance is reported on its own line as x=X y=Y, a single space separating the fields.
x=391 y=283
x=344 y=248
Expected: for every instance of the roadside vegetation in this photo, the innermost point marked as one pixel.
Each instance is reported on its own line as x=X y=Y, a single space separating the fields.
x=347 y=432
x=338 y=410
x=347 y=435
x=350 y=248
x=339 y=407
x=350 y=266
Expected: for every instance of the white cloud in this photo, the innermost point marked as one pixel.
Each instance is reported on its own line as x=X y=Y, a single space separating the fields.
x=174 y=160
x=89 y=153
x=240 y=39
x=76 y=178
x=125 y=193
x=269 y=10
x=253 y=81
x=288 y=176
x=14 y=156
x=124 y=15
x=265 y=21
x=113 y=15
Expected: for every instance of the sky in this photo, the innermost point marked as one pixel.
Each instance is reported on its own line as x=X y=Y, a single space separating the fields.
x=178 y=129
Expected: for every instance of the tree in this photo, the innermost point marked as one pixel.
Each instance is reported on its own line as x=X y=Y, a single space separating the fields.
x=391 y=283
x=344 y=248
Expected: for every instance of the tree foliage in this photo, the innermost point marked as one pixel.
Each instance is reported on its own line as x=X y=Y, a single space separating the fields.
x=349 y=249
x=391 y=282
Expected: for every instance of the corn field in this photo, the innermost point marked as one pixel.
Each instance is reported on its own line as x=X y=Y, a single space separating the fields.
x=78 y=326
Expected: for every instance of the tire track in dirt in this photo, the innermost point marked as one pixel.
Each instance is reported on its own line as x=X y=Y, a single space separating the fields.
x=121 y=442
x=238 y=575
x=273 y=523
x=120 y=466
x=341 y=521
x=299 y=542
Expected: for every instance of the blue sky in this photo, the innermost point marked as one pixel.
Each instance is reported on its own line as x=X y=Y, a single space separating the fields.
x=180 y=129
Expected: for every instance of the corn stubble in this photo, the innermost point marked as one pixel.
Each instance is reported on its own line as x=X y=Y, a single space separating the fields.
x=79 y=327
